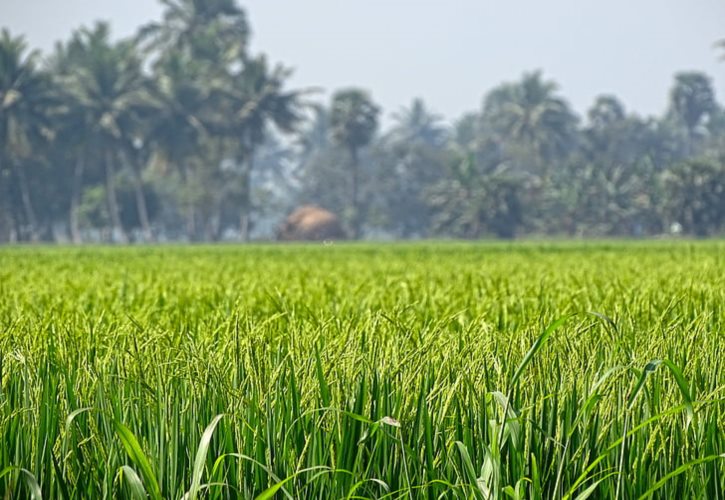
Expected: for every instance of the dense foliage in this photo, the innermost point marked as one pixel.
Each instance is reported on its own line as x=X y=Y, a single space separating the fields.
x=180 y=133
x=364 y=372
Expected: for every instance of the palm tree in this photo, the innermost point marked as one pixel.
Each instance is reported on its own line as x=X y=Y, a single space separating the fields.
x=692 y=101
x=476 y=198
x=415 y=149
x=250 y=101
x=177 y=129
x=466 y=133
x=196 y=46
x=26 y=98
x=108 y=84
x=71 y=149
x=418 y=124
x=606 y=111
x=214 y=31
x=316 y=175
x=530 y=114
x=609 y=137
x=696 y=196
x=354 y=121
x=315 y=136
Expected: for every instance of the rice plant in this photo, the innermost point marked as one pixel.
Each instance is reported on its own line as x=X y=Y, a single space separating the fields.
x=487 y=371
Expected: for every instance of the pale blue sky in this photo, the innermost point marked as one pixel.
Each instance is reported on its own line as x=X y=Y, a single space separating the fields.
x=450 y=53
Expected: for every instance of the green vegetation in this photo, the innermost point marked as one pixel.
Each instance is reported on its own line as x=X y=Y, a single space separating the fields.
x=353 y=371
x=182 y=133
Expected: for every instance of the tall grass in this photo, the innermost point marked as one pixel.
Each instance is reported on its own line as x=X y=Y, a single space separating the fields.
x=401 y=371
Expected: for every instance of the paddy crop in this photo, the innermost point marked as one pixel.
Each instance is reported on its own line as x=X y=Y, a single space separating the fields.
x=534 y=370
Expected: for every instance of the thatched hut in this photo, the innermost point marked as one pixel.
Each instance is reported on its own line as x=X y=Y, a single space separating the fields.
x=311 y=223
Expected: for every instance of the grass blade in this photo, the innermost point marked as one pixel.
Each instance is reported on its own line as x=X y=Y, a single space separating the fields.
x=201 y=458
x=137 y=456
x=134 y=484
x=678 y=471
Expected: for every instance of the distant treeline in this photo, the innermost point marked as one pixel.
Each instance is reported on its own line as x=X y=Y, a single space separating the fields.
x=180 y=133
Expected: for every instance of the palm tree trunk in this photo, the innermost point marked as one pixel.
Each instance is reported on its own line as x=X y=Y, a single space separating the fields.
x=27 y=203
x=191 y=222
x=214 y=221
x=7 y=223
x=190 y=213
x=141 y=207
x=75 y=200
x=216 y=230
x=113 y=209
x=245 y=216
x=354 y=181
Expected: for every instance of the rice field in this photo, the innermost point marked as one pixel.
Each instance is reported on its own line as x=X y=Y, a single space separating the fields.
x=429 y=370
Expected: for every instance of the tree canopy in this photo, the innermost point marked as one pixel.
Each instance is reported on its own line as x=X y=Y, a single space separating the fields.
x=181 y=132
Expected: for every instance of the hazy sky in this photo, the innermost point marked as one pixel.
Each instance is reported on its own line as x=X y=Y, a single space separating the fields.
x=449 y=53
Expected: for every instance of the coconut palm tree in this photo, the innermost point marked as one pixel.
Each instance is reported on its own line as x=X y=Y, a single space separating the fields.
x=418 y=124
x=529 y=113
x=609 y=136
x=109 y=86
x=178 y=127
x=354 y=121
x=26 y=97
x=414 y=157
x=607 y=110
x=314 y=138
x=71 y=149
x=249 y=101
x=475 y=199
x=695 y=198
x=692 y=101
x=214 y=31
x=198 y=44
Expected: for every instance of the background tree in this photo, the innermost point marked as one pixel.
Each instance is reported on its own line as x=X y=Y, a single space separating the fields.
x=70 y=152
x=26 y=99
x=477 y=199
x=109 y=86
x=181 y=134
x=317 y=177
x=214 y=31
x=608 y=187
x=692 y=102
x=354 y=121
x=408 y=160
x=254 y=99
x=696 y=196
x=530 y=115
x=177 y=132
